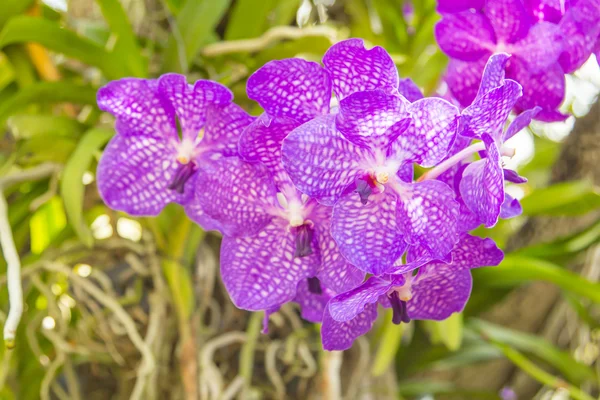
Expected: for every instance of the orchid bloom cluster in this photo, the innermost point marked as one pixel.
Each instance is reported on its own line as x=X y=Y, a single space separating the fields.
x=319 y=190
x=546 y=38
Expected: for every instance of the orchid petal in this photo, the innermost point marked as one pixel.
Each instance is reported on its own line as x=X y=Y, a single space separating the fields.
x=482 y=187
x=355 y=69
x=348 y=305
x=139 y=107
x=340 y=335
x=239 y=198
x=134 y=174
x=427 y=214
x=260 y=272
x=320 y=161
x=367 y=234
x=292 y=88
x=465 y=36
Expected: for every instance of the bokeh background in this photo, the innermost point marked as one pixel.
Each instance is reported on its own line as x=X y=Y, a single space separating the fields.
x=133 y=308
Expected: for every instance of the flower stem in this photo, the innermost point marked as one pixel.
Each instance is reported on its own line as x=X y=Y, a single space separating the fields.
x=247 y=353
x=458 y=157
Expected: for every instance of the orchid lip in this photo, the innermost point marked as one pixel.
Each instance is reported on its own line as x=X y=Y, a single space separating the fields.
x=399 y=308
x=304 y=236
x=182 y=175
x=314 y=286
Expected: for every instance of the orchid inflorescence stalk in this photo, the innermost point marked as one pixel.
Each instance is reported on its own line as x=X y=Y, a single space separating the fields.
x=319 y=191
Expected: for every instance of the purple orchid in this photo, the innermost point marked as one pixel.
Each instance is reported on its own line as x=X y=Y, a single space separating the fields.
x=579 y=22
x=312 y=297
x=481 y=183
x=147 y=164
x=470 y=37
x=275 y=237
x=452 y=6
x=435 y=292
x=370 y=147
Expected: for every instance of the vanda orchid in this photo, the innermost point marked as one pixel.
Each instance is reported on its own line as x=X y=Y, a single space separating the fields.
x=319 y=190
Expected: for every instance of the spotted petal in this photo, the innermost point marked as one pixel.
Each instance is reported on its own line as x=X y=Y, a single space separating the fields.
x=355 y=69
x=488 y=114
x=410 y=90
x=472 y=252
x=312 y=305
x=521 y=122
x=433 y=130
x=237 y=194
x=465 y=36
x=482 y=187
x=463 y=78
x=141 y=110
x=335 y=272
x=320 y=161
x=427 y=214
x=367 y=234
x=510 y=208
x=580 y=27
x=545 y=10
x=340 y=335
x=260 y=272
x=452 y=6
x=545 y=89
x=224 y=125
x=134 y=174
x=191 y=101
x=261 y=142
x=365 y=115
x=541 y=47
x=493 y=74
x=438 y=292
x=348 y=305
x=509 y=19
x=292 y=88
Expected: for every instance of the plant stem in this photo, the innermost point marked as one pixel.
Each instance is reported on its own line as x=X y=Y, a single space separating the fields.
x=247 y=353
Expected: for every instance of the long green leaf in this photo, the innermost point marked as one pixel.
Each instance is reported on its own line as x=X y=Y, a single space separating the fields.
x=565 y=246
x=50 y=34
x=47 y=92
x=565 y=198
x=71 y=185
x=516 y=270
x=388 y=345
x=574 y=371
x=10 y=8
x=26 y=126
x=195 y=22
x=248 y=19
x=126 y=45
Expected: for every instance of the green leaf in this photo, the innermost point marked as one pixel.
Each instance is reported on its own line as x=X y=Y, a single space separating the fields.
x=47 y=92
x=448 y=389
x=53 y=36
x=126 y=46
x=46 y=223
x=71 y=185
x=565 y=198
x=26 y=126
x=565 y=246
x=7 y=73
x=516 y=270
x=573 y=370
x=45 y=148
x=248 y=19
x=195 y=22
x=10 y=8
x=448 y=332
x=388 y=345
